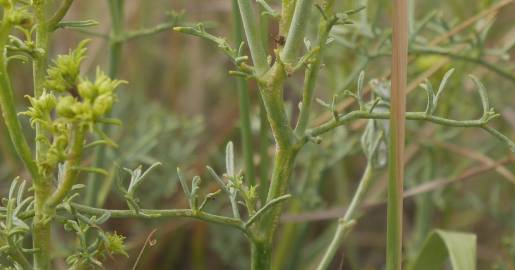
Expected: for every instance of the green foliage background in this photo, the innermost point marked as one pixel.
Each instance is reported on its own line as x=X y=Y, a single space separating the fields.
x=180 y=108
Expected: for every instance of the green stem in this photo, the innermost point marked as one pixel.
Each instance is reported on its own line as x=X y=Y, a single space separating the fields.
x=345 y=223
x=282 y=170
x=115 y=54
x=9 y=111
x=417 y=116
x=272 y=94
x=244 y=102
x=263 y=152
x=292 y=233
x=162 y=213
x=294 y=40
x=269 y=205
x=71 y=168
x=162 y=27
x=253 y=34
x=42 y=188
x=261 y=255
x=311 y=74
x=288 y=7
x=59 y=15
x=115 y=46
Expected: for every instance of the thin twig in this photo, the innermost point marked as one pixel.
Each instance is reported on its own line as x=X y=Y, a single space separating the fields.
x=475 y=155
x=59 y=14
x=432 y=185
x=149 y=241
x=265 y=208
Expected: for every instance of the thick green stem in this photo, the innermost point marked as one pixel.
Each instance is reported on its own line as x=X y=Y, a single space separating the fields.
x=43 y=188
x=244 y=102
x=41 y=231
x=282 y=171
x=272 y=94
x=261 y=255
x=345 y=223
x=271 y=89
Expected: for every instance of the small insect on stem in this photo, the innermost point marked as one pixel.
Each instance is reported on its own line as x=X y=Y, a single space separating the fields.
x=280 y=40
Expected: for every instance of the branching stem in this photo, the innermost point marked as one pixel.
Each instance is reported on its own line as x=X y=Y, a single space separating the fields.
x=71 y=172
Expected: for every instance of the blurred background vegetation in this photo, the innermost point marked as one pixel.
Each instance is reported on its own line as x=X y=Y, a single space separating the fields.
x=180 y=108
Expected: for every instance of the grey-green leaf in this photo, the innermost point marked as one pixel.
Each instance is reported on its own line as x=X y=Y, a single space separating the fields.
x=229 y=159
x=442 y=86
x=482 y=93
x=441 y=245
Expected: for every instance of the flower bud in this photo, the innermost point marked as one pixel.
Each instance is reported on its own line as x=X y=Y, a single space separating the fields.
x=63 y=74
x=47 y=102
x=104 y=84
x=102 y=105
x=65 y=107
x=87 y=89
x=83 y=110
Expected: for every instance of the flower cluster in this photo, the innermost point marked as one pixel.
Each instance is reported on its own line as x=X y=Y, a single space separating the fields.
x=71 y=103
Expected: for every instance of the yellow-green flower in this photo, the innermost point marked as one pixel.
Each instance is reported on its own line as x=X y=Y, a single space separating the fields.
x=63 y=75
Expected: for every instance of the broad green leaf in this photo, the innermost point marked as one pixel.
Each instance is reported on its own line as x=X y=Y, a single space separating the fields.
x=460 y=248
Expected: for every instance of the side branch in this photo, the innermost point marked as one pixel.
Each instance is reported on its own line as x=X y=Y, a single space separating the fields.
x=419 y=116
x=71 y=170
x=162 y=213
x=59 y=14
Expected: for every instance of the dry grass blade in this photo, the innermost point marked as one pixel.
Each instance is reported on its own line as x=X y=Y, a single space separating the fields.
x=475 y=155
x=397 y=135
x=464 y=25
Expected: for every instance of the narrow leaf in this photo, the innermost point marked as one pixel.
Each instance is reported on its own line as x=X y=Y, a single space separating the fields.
x=430 y=97
x=229 y=159
x=442 y=86
x=441 y=245
x=184 y=185
x=482 y=93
